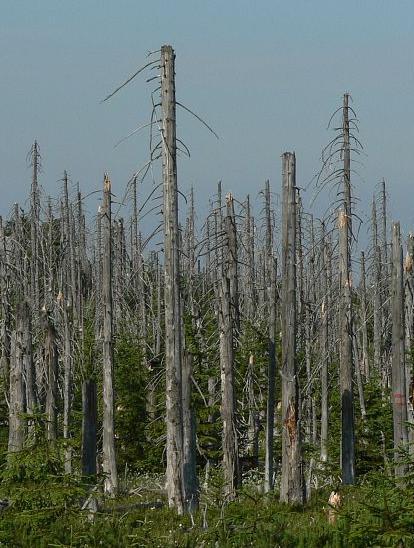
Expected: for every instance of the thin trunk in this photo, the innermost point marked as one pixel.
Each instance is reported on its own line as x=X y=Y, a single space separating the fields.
x=108 y=445
x=399 y=400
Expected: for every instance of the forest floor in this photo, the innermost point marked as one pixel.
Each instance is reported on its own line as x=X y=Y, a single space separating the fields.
x=377 y=512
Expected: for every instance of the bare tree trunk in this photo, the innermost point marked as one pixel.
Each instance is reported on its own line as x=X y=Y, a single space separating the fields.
x=51 y=362
x=108 y=445
x=345 y=314
x=399 y=400
x=16 y=391
x=5 y=308
x=173 y=324
x=324 y=348
x=271 y=374
x=409 y=333
x=89 y=420
x=28 y=366
x=364 y=321
x=226 y=327
x=377 y=297
x=358 y=366
x=67 y=382
x=291 y=488
x=189 y=437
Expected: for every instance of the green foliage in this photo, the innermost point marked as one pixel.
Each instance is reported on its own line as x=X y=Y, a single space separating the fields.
x=133 y=448
x=39 y=493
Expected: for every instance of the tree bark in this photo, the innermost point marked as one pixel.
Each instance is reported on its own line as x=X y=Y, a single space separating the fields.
x=291 y=488
x=399 y=400
x=108 y=445
x=172 y=297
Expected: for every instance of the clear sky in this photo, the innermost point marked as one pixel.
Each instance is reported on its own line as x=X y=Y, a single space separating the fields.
x=266 y=75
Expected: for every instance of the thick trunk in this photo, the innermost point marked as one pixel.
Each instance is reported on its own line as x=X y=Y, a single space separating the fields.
x=291 y=488
x=172 y=297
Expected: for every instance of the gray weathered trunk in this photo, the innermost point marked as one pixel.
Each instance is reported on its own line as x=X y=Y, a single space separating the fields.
x=108 y=444
x=271 y=372
x=324 y=348
x=172 y=297
x=16 y=390
x=399 y=400
x=291 y=488
x=345 y=314
x=51 y=364
x=226 y=328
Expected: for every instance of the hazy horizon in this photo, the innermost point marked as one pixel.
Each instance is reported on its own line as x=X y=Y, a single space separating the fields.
x=265 y=77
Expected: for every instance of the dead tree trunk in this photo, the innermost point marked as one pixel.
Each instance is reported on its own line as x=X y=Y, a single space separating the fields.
x=399 y=400
x=377 y=295
x=409 y=333
x=89 y=419
x=172 y=297
x=16 y=391
x=324 y=347
x=189 y=437
x=226 y=328
x=345 y=314
x=51 y=365
x=28 y=365
x=108 y=445
x=291 y=488
x=364 y=320
x=271 y=372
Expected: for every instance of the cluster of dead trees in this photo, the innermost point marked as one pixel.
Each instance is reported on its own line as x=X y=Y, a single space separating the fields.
x=285 y=277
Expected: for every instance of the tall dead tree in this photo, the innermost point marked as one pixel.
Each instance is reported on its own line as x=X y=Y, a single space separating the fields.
x=377 y=294
x=345 y=310
x=108 y=444
x=399 y=400
x=172 y=297
x=291 y=487
x=226 y=331
x=324 y=347
x=271 y=371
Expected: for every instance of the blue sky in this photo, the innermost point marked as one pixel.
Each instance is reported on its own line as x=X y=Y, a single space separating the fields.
x=266 y=75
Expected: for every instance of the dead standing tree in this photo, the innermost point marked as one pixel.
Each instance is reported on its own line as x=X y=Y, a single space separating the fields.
x=399 y=401
x=271 y=374
x=227 y=320
x=345 y=350
x=172 y=297
x=291 y=488
x=108 y=445
x=336 y=169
